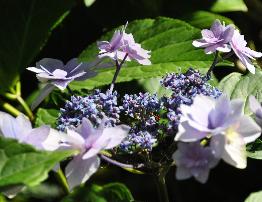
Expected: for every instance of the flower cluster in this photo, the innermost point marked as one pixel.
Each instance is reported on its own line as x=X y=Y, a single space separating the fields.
x=185 y=87
x=94 y=107
x=217 y=125
x=123 y=47
x=223 y=38
x=143 y=109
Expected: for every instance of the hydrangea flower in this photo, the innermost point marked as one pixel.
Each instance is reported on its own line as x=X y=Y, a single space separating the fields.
x=20 y=128
x=122 y=46
x=192 y=159
x=56 y=74
x=223 y=121
x=93 y=107
x=256 y=108
x=89 y=141
x=238 y=44
x=215 y=39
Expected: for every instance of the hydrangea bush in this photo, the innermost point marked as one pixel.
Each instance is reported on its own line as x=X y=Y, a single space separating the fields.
x=192 y=129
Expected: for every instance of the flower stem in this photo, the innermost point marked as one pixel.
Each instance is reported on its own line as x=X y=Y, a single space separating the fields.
x=161 y=188
x=118 y=67
x=26 y=107
x=208 y=75
x=62 y=180
x=9 y=108
x=122 y=165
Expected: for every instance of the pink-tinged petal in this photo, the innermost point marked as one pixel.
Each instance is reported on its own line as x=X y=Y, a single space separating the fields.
x=37 y=136
x=75 y=139
x=225 y=48
x=36 y=70
x=9 y=126
x=217 y=28
x=248 y=129
x=144 y=62
x=103 y=45
x=53 y=140
x=79 y=170
x=253 y=53
x=200 y=43
x=43 y=77
x=44 y=92
x=86 y=129
x=247 y=63
x=212 y=48
x=187 y=133
x=228 y=33
x=207 y=34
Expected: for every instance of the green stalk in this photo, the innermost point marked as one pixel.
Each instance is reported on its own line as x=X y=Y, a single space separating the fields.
x=161 y=188
x=26 y=107
x=62 y=180
x=9 y=108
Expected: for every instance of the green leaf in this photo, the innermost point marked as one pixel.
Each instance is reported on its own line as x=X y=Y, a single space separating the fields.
x=236 y=85
x=27 y=25
x=113 y=192
x=170 y=41
x=228 y=6
x=254 y=149
x=22 y=164
x=46 y=116
x=254 y=197
x=204 y=19
x=89 y=2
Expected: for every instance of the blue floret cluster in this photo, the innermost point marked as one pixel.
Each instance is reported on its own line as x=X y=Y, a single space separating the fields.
x=143 y=112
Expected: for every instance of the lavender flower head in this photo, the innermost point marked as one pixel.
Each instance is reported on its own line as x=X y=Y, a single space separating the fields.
x=122 y=46
x=93 y=107
x=256 y=108
x=20 y=128
x=215 y=39
x=192 y=159
x=55 y=72
x=89 y=141
x=238 y=44
x=223 y=121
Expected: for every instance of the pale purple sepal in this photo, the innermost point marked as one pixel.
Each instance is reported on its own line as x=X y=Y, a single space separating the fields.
x=192 y=159
x=56 y=73
x=256 y=108
x=20 y=128
x=215 y=39
x=89 y=141
x=238 y=44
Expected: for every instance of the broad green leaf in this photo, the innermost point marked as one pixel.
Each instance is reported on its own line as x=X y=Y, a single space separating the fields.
x=204 y=19
x=25 y=27
x=228 y=6
x=22 y=164
x=170 y=41
x=254 y=197
x=236 y=85
x=113 y=192
x=46 y=116
x=254 y=149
